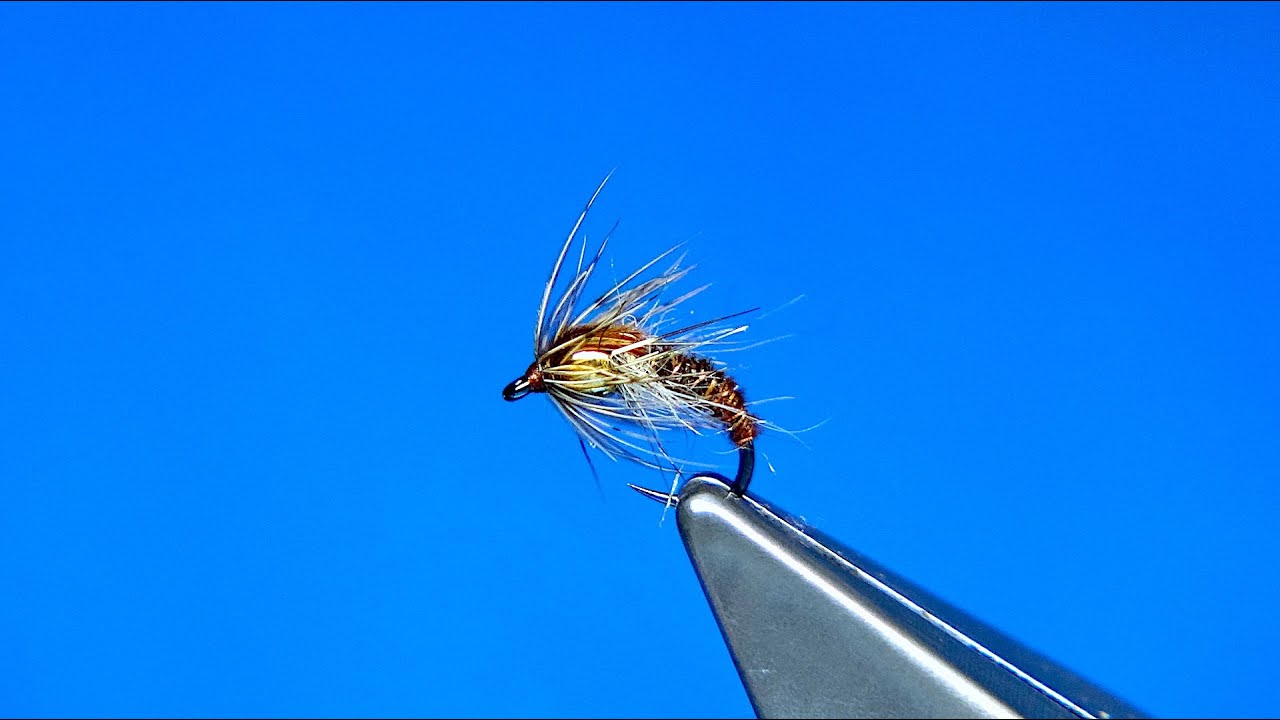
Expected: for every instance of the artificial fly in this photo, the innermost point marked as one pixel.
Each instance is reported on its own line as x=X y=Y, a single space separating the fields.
x=620 y=377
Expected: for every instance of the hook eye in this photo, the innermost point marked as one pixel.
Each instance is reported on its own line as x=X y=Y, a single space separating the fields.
x=516 y=390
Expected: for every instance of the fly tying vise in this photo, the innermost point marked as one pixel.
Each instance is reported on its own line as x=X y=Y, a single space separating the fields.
x=619 y=377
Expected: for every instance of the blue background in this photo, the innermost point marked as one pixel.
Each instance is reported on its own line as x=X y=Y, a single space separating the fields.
x=265 y=269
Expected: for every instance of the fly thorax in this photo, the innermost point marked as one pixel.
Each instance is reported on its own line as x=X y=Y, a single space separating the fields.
x=590 y=371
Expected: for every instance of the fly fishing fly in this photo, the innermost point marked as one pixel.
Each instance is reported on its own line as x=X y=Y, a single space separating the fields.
x=620 y=377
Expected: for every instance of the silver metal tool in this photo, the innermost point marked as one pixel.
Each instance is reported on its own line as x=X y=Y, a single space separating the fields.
x=817 y=630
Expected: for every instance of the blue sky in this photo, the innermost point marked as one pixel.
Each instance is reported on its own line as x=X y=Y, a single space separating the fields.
x=266 y=268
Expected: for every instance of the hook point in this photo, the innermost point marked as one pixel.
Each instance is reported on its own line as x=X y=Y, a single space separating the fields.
x=656 y=495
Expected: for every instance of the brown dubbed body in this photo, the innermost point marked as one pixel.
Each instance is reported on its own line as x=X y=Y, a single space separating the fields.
x=720 y=390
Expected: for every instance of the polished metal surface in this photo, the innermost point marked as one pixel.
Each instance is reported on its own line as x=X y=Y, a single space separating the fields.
x=818 y=631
